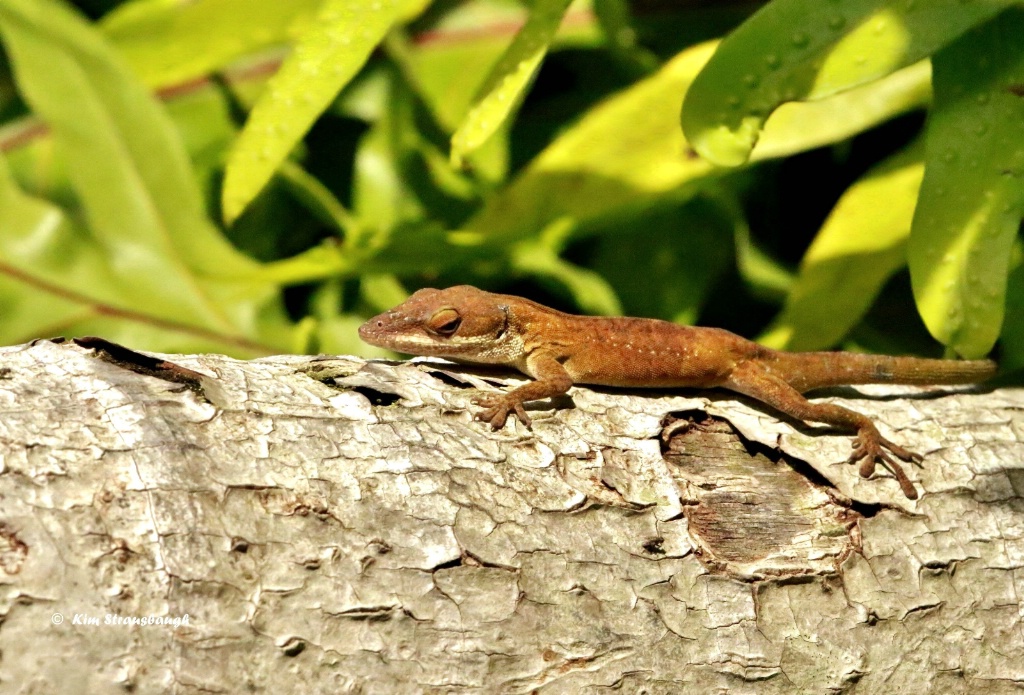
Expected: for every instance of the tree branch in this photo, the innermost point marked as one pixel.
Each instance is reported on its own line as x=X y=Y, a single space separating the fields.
x=333 y=525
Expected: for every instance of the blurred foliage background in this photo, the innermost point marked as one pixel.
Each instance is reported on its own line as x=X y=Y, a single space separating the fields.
x=258 y=176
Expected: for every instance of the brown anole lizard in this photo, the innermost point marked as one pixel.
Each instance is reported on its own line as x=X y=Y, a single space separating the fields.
x=558 y=350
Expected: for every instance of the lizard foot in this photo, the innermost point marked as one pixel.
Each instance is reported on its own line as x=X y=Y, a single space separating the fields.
x=871 y=446
x=497 y=408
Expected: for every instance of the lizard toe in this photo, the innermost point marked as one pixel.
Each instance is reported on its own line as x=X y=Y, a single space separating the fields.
x=497 y=408
x=901 y=452
x=870 y=450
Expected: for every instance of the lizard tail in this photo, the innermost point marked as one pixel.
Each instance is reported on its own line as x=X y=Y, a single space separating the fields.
x=812 y=370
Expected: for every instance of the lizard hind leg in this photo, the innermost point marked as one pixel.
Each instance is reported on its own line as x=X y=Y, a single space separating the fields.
x=870 y=447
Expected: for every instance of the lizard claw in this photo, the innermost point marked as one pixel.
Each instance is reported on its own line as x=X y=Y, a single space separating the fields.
x=870 y=449
x=497 y=408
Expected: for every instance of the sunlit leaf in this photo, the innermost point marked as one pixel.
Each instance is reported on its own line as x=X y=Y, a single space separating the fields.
x=449 y=63
x=588 y=290
x=625 y=151
x=806 y=49
x=972 y=197
x=27 y=221
x=203 y=120
x=146 y=222
x=507 y=83
x=804 y=125
x=382 y=290
x=340 y=336
x=168 y=42
x=422 y=249
x=860 y=246
x=629 y=152
x=447 y=75
x=45 y=260
x=40 y=167
x=325 y=58
x=380 y=195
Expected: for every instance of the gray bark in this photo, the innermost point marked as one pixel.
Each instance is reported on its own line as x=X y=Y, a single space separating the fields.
x=336 y=525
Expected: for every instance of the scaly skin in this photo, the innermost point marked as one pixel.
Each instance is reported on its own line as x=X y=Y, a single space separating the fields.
x=559 y=350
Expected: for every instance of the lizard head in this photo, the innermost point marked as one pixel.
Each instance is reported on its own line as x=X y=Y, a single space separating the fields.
x=460 y=322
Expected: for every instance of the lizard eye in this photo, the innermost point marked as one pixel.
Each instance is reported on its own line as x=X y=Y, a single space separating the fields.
x=445 y=322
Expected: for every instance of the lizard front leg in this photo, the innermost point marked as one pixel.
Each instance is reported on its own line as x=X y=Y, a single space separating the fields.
x=869 y=444
x=551 y=380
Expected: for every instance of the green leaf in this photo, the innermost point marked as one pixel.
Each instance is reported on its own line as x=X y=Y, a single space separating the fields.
x=540 y=259
x=628 y=152
x=764 y=275
x=45 y=259
x=172 y=42
x=972 y=197
x=590 y=292
x=149 y=249
x=202 y=118
x=621 y=37
x=507 y=83
x=326 y=57
x=400 y=175
x=381 y=195
x=318 y=199
x=448 y=64
x=340 y=336
x=423 y=249
x=382 y=290
x=806 y=49
x=860 y=246
x=1011 y=342
x=679 y=268
x=24 y=219
x=805 y=125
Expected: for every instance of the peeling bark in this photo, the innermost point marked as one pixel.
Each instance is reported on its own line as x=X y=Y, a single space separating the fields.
x=335 y=525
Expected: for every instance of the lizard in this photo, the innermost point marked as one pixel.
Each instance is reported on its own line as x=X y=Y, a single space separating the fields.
x=558 y=350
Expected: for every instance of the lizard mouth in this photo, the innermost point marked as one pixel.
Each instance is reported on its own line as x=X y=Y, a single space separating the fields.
x=383 y=331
